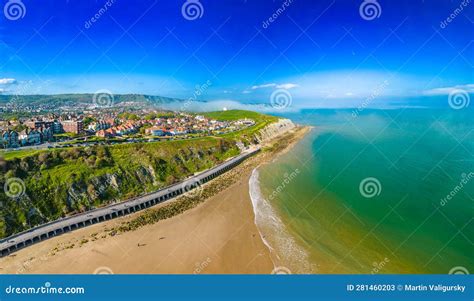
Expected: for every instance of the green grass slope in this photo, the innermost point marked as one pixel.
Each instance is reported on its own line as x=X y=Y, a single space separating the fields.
x=61 y=182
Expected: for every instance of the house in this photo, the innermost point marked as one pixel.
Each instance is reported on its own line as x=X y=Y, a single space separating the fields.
x=10 y=139
x=47 y=134
x=101 y=133
x=29 y=137
x=36 y=124
x=110 y=121
x=112 y=132
x=181 y=131
x=247 y=122
x=125 y=129
x=100 y=125
x=156 y=131
x=107 y=133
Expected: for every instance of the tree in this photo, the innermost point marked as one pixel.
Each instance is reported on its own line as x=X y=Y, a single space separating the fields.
x=88 y=120
x=20 y=127
x=150 y=116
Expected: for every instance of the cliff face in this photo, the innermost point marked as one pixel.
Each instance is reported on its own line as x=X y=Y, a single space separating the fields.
x=62 y=182
x=57 y=183
x=274 y=130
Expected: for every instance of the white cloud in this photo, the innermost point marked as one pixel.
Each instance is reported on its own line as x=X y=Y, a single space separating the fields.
x=7 y=81
x=228 y=104
x=263 y=86
x=286 y=86
x=469 y=88
x=347 y=85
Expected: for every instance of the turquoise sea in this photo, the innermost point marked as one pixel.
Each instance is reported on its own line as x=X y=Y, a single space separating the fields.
x=372 y=191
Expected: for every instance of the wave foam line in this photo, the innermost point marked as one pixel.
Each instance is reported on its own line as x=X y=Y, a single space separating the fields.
x=269 y=224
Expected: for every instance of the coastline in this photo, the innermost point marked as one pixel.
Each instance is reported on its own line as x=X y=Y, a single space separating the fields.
x=288 y=256
x=217 y=236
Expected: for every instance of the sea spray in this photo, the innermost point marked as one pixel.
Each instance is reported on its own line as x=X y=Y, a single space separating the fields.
x=283 y=247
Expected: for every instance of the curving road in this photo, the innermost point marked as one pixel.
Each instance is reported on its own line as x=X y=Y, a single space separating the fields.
x=21 y=240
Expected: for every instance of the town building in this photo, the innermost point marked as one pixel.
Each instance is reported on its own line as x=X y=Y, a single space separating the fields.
x=99 y=125
x=29 y=137
x=36 y=124
x=9 y=139
x=73 y=126
x=57 y=127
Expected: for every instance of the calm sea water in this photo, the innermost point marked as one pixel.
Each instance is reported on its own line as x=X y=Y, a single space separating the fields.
x=368 y=193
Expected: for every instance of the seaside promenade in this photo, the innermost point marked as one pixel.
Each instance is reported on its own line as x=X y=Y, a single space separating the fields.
x=40 y=233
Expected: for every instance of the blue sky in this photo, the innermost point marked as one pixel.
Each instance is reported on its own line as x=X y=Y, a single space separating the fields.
x=325 y=53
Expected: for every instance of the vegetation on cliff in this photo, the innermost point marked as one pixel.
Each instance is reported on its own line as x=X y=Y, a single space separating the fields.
x=246 y=135
x=191 y=200
x=61 y=182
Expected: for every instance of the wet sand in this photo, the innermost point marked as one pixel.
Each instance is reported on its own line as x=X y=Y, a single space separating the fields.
x=217 y=236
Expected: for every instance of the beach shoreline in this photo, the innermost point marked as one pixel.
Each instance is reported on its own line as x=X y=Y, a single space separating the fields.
x=217 y=236
x=288 y=256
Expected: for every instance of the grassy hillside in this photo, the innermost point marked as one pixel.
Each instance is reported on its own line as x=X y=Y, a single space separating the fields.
x=60 y=182
x=261 y=121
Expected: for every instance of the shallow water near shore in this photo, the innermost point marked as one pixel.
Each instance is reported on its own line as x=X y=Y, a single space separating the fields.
x=366 y=192
x=275 y=235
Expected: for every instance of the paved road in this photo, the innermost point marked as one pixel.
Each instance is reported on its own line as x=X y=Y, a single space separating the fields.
x=39 y=233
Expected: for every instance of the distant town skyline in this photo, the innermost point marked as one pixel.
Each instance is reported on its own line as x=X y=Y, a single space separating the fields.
x=324 y=53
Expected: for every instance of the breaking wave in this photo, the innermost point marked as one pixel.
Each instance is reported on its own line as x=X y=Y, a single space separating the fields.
x=284 y=249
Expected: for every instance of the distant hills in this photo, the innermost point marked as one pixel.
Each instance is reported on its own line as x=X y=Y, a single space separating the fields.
x=64 y=99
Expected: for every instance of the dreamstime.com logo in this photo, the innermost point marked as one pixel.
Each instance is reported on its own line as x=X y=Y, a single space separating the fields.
x=192 y=10
x=277 y=13
x=281 y=99
x=456 y=12
x=26 y=265
x=103 y=98
x=88 y=24
x=459 y=271
x=465 y=178
x=370 y=187
x=287 y=179
x=370 y=9
x=378 y=266
x=198 y=91
x=201 y=266
x=14 y=188
x=14 y=10
x=375 y=93
x=103 y=271
x=281 y=271
x=458 y=99
x=45 y=289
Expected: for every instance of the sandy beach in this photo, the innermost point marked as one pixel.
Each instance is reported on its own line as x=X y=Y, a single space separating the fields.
x=217 y=236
